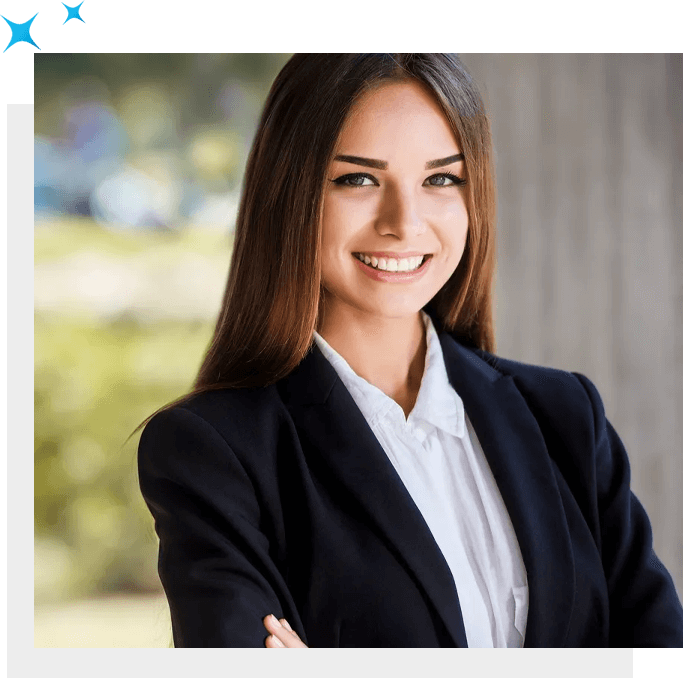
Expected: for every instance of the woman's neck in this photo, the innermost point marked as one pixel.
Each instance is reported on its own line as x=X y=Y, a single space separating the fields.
x=387 y=352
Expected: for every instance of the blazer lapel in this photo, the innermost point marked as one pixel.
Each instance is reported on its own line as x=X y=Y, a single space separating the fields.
x=519 y=460
x=328 y=419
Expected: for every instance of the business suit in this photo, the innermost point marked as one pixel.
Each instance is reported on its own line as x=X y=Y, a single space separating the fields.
x=280 y=500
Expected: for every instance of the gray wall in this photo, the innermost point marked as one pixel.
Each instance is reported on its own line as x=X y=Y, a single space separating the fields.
x=588 y=153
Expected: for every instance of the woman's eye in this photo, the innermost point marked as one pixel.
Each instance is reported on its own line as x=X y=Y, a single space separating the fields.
x=353 y=180
x=342 y=181
x=455 y=181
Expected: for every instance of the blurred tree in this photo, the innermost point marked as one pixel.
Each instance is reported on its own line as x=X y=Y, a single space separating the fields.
x=143 y=140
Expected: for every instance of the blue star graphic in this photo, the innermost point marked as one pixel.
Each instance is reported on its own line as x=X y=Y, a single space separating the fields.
x=73 y=13
x=20 y=32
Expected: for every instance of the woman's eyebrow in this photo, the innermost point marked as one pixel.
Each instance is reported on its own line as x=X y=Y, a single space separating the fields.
x=382 y=164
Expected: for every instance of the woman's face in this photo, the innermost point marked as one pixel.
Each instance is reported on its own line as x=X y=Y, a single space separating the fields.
x=393 y=197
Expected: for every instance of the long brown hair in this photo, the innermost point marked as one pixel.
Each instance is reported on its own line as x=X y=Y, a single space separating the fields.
x=271 y=302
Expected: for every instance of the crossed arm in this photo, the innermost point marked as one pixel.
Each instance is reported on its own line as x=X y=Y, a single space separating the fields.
x=281 y=632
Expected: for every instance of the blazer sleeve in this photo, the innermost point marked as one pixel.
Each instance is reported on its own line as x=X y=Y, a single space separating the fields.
x=214 y=560
x=644 y=608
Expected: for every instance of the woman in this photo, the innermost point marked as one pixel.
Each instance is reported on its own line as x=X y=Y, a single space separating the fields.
x=354 y=461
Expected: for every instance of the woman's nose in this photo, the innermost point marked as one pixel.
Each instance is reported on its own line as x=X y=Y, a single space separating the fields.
x=400 y=214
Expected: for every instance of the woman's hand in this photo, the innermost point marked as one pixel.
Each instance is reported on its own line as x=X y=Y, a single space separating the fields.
x=281 y=632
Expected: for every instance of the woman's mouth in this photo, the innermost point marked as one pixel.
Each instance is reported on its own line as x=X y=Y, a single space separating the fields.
x=393 y=264
x=392 y=269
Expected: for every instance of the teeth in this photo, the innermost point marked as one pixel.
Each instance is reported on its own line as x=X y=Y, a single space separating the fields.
x=388 y=264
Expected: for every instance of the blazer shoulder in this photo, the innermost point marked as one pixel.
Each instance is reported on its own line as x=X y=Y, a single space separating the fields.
x=245 y=403
x=246 y=419
x=551 y=390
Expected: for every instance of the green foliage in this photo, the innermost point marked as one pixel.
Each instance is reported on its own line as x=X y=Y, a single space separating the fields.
x=99 y=373
x=95 y=381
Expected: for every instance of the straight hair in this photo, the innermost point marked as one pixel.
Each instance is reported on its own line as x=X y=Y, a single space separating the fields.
x=271 y=303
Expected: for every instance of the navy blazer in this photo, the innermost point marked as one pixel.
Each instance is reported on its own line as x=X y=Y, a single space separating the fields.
x=281 y=500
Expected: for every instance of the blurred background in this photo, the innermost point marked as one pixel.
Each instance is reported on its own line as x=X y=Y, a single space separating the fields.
x=138 y=168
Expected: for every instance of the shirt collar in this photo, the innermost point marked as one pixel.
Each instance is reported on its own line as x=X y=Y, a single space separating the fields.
x=437 y=404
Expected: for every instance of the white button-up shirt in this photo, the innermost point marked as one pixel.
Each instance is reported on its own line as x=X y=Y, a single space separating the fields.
x=440 y=461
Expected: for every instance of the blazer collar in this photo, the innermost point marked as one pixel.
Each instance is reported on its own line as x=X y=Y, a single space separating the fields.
x=329 y=421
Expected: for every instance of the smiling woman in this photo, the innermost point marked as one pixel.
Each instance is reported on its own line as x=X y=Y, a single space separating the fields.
x=298 y=146
x=403 y=226
x=354 y=460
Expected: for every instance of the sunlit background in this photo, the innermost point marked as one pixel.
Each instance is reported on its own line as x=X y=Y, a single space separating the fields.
x=138 y=168
x=138 y=164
